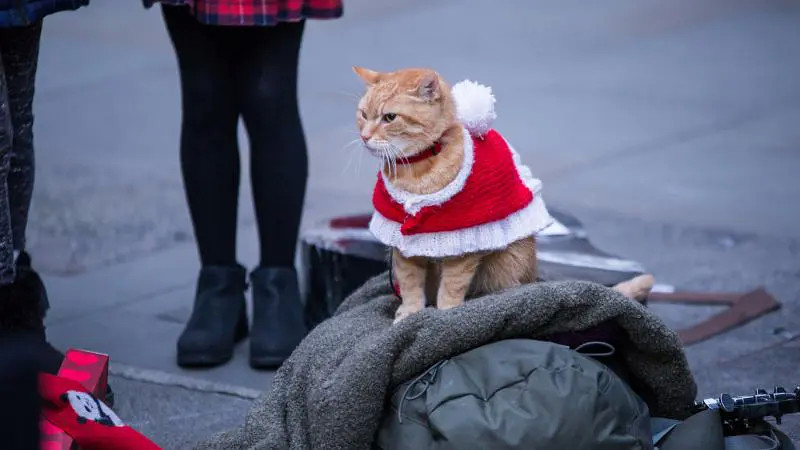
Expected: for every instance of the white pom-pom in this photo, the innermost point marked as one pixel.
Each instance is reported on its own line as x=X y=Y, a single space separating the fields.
x=475 y=106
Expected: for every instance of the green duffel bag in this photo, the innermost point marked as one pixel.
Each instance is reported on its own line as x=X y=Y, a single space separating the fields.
x=516 y=394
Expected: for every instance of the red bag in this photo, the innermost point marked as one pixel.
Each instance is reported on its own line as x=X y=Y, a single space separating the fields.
x=90 y=422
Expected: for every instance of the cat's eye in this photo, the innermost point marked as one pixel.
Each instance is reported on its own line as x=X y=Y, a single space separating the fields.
x=363 y=114
x=388 y=117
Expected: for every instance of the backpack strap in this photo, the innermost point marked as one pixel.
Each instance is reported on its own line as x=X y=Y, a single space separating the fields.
x=660 y=427
x=704 y=431
x=752 y=442
x=783 y=439
x=700 y=431
x=776 y=437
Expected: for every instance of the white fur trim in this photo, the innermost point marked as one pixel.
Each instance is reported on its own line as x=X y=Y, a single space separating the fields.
x=489 y=236
x=413 y=203
x=474 y=106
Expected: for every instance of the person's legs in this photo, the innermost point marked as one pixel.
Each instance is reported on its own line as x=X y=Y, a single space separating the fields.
x=209 y=150
x=24 y=300
x=19 y=53
x=267 y=75
x=210 y=167
x=7 y=271
x=20 y=48
x=267 y=79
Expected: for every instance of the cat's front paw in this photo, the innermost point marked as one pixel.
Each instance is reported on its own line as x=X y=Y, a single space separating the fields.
x=404 y=311
x=445 y=303
x=637 y=288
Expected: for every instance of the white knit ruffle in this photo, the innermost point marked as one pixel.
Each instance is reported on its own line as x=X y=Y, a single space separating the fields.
x=413 y=203
x=489 y=236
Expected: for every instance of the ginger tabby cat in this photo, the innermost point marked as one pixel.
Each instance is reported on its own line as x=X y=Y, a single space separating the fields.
x=452 y=200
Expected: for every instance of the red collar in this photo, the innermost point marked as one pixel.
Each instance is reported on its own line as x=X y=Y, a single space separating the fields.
x=421 y=156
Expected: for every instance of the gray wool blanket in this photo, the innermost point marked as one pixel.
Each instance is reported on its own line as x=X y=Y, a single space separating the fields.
x=330 y=393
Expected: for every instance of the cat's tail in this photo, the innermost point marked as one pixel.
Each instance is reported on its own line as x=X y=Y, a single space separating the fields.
x=637 y=288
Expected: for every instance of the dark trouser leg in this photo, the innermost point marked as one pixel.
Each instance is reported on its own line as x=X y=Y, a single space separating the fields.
x=6 y=133
x=20 y=50
x=24 y=301
x=209 y=151
x=210 y=166
x=267 y=75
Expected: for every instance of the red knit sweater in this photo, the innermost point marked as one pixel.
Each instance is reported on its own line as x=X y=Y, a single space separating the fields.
x=493 y=191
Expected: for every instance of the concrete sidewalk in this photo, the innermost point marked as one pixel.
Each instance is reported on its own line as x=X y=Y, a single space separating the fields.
x=669 y=130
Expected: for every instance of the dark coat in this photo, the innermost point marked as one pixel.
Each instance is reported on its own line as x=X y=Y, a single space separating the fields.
x=14 y=13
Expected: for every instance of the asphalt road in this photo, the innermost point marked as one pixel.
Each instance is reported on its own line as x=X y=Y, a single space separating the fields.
x=670 y=130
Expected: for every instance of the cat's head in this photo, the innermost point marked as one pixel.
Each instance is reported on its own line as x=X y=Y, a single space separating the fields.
x=403 y=112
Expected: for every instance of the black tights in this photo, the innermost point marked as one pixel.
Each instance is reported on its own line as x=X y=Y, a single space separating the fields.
x=227 y=72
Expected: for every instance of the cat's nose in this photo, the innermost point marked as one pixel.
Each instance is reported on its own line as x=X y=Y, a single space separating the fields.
x=365 y=138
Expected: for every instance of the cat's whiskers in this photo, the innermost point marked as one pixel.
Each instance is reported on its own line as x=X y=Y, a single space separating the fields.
x=385 y=160
x=388 y=152
x=347 y=94
x=358 y=163
x=399 y=154
x=341 y=95
x=381 y=155
x=350 y=156
x=393 y=155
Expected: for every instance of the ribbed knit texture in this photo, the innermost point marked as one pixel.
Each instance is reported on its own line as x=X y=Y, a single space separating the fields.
x=496 y=204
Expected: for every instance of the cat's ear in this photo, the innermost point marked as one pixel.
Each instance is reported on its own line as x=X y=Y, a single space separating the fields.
x=429 y=87
x=369 y=76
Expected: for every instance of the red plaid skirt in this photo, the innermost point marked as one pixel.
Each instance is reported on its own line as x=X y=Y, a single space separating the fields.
x=257 y=12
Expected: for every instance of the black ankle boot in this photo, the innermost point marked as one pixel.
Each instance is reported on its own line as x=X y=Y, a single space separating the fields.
x=23 y=306
x=219 y=318
x=22 y=309
x=278 y=324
